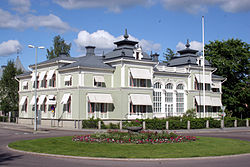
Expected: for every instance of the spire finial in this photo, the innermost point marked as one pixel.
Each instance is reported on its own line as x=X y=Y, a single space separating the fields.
x=126 y=34
x=187 y=45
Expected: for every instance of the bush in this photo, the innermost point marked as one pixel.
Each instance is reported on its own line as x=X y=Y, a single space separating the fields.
x=214 y=123
x=241 y=122
x=92 y=123
x=198 y=123
x=3 y=118
x=229 y=122
x=113 y=126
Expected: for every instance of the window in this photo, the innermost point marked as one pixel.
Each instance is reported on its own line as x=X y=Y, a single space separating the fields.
x=44 y=106
x=25 y=85
x=157 y=101
x=137 y=55
x=169 y=86
x=180 y=87
x=44 y=82
x=216 y=89
x=67 y=106
x=98 y=107
x=52 y=81
x=157 y=85
x=180 y=102
x=99 y=84
x=37 y=86
x=199 y=86
x=169 y=103
x=140 y=82
x=33 y=106
x=68 y=80
x=24 y=106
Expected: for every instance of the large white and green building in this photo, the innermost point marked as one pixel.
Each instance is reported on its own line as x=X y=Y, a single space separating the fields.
x=123 y=84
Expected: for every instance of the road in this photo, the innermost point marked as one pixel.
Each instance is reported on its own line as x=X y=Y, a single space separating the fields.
x=17 y=159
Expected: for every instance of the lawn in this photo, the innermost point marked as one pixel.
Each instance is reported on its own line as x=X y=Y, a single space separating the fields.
x=206 y=146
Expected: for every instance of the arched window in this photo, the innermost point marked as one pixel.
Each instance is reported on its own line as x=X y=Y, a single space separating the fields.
x=169 y=86
x=157 y=85
x=180 y=86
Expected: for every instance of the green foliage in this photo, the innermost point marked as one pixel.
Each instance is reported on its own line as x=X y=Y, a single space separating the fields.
x=9 y=89
x=113 y=126
x=136 y=122
x=169 y=54
x=60 y=47
x=231 y=58
x=92 y=123
x=3 y=118
x=190 y=113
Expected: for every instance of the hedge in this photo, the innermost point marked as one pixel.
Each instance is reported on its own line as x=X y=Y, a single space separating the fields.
x=174 y=123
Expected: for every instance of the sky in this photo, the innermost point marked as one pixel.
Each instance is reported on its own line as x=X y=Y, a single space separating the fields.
x=155 y=24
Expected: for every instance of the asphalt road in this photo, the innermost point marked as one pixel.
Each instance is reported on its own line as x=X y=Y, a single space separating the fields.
x=17 y=159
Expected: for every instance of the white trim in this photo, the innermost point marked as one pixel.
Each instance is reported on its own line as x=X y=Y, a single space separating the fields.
x=67 y=78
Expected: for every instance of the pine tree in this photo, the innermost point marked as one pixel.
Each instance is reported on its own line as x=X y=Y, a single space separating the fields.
x=9 y=89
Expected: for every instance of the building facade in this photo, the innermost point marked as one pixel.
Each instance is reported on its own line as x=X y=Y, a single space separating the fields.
x=123 y=84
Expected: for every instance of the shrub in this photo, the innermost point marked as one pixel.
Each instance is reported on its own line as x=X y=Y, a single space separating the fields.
x=3 y=118
x=198 y=123
x=214 y=123
x=92 y=123
x=241 y=122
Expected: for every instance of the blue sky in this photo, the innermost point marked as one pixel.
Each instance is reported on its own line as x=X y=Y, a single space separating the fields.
x=156 y=24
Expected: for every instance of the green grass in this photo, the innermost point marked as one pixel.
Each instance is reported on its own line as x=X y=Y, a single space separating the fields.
x=206 y=146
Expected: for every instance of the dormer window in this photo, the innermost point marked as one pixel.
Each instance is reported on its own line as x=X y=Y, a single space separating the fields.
x=137 y=55
x=99 y=81
x=25 y=85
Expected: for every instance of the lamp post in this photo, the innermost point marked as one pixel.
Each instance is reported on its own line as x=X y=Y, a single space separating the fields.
x=35 y=115
x=223 y=114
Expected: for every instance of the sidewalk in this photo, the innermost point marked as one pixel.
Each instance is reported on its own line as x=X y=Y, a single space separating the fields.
x=44 y=129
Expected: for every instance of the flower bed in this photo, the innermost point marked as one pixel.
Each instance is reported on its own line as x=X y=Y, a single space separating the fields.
x=144 y=137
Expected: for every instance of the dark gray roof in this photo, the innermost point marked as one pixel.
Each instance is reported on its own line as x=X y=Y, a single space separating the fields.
x=91 y=61
x=27 y=73
x=61 y=57
x=217 y=77
x=187 y=59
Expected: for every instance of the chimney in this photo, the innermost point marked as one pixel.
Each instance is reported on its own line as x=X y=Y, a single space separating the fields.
x=155 y=57
x=90 y=50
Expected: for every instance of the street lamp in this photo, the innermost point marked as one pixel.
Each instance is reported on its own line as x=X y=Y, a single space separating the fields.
x=35 y=116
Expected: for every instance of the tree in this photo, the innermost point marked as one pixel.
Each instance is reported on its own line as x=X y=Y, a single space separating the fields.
x=60 y=47
x=169 y=55
x=231 y=58
x=9 y=89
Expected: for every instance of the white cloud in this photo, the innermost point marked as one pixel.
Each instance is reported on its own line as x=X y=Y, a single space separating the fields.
x=111 y=5
x=193 y=45
x=7 y=20
x=103 y=40
x=194 y=6
x=21 y=6
x=9 y=47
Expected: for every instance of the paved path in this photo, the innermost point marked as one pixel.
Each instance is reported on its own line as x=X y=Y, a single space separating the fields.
x=11 y=158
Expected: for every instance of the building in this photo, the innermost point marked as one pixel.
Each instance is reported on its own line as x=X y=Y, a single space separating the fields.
x=123 y=84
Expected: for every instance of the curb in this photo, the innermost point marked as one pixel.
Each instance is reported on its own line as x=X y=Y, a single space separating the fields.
x=127 y=159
